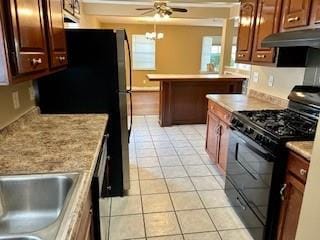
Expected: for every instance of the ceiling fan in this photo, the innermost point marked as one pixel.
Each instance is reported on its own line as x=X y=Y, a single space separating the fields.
x=162 y=8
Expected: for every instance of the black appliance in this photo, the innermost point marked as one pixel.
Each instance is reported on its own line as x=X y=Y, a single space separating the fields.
x=257 y=157
x=97 y=80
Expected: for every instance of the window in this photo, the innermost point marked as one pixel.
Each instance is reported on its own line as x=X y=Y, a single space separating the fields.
x=211 y=52
x=143 y=53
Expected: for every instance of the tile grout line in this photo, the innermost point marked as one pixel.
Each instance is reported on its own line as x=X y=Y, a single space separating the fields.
x=201 y=198
x=143 y=218
x=174 y=210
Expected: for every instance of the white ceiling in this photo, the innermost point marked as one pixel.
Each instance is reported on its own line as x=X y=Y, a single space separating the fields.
x=200 y=12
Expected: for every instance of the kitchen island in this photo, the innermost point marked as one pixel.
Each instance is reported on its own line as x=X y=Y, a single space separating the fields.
x=183 y=96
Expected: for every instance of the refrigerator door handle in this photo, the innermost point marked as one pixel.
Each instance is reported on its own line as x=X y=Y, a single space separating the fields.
x=130 y=81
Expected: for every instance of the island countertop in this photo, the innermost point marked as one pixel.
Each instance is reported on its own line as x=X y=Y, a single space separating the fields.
x=192 y=77
x=55 y=144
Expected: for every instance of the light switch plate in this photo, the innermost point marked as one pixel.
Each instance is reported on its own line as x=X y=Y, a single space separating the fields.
x=31 y=93
x=15 y=99
x=271 y=81
x=255 y=77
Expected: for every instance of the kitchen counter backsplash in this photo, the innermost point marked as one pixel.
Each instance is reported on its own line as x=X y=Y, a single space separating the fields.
x=269 y=98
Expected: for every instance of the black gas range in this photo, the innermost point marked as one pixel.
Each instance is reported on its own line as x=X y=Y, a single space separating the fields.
x=257 y=157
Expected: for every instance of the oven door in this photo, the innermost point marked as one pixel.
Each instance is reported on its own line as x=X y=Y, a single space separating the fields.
x=249 y=169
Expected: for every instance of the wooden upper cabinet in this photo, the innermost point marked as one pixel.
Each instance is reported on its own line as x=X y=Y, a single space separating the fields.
x=248 y=11
x=315 y=14
x=68 y=5
x=29 y=36
x=267 y=23
x=295 y=14
x=56 y=34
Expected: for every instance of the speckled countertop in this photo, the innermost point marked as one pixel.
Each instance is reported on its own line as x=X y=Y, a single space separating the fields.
x=54 y=143
x=240 y=102
x=302 y=148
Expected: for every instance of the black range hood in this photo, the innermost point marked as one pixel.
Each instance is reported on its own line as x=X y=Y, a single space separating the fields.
x=300 y=38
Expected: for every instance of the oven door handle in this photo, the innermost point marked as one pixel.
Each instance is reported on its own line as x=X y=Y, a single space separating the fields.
x=240 y=163
x=266 y=156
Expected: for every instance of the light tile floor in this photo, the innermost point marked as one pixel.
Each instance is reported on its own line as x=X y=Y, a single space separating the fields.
x=176 y=192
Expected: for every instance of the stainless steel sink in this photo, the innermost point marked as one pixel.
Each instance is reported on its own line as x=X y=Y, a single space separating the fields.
x=32 y=206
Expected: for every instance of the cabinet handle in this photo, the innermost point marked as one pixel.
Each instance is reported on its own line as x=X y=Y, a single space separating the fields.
x=284 y=186
x=71 y=5
x=109 y=188
x=36 y=61
x=293 y=19
x=61 y=58
x=261 y=56
x=241 y=204
x=303 y=172
x=240 y=55
x=218 y=129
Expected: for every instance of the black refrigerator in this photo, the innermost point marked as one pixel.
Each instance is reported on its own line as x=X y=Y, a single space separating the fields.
x=97 y=80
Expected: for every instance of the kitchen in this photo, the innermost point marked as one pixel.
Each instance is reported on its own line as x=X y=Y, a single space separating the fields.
x=227 y=152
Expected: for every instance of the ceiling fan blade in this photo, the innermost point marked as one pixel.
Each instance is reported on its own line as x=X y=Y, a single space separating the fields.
x=147 y=12
x=183 y=10
x=144 y=9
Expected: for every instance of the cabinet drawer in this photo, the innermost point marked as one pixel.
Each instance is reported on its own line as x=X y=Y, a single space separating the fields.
x=219 y=111
x=58 y=59
x=32 y=62
x=298 y=166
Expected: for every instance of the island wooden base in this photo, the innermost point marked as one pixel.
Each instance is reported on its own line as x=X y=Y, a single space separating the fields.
x=184 y=102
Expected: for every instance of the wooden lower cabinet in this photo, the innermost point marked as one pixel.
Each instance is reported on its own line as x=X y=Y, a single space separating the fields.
x=213 y=136
x=292 y=195
x=85 y=230
x=217 y=138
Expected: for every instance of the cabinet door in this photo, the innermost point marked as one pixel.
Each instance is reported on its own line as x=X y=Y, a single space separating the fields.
x=246 y=30
x=213 y=136
x=290 y=208
x=56 y=35
x=295 y=13
x=315 y=13
x=68 y=5
x=29 y=36
x=76 y=7
x=223 y=148
x=267 y=22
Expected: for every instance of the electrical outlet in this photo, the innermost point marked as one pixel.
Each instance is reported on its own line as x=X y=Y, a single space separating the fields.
x=271 y=81
x=31 y=93
x=144 y=81
x=255 y=77
x=15 y=99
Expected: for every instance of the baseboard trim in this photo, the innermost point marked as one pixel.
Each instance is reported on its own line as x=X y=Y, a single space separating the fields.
x=145 y=89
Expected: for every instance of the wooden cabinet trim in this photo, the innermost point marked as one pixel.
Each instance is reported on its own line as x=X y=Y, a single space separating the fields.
x=267 y=23
x=248 y=10
x=295 y=16
x=29 y=37
x=290 y=208
x=298 y=166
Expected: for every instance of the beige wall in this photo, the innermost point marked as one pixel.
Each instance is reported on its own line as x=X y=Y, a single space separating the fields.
x=178 y=52
x=88 y=21
x=284 y=80
x=7 y=112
